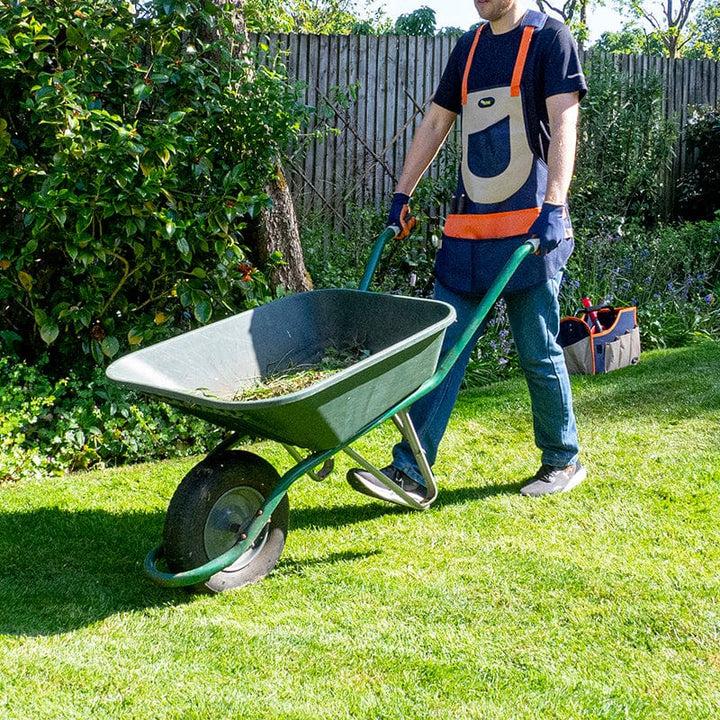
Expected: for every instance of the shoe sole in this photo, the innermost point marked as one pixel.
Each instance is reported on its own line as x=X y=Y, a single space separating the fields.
x=358 y=484
x=576 y=479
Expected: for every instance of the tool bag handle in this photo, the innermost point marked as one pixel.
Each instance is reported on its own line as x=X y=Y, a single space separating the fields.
x=594 y=308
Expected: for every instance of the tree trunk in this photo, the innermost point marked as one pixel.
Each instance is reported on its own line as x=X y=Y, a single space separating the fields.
x=276 y=229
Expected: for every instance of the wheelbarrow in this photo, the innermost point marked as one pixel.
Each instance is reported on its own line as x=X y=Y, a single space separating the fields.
x=227 y=521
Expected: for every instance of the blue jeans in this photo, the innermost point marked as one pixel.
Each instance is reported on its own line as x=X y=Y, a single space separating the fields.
x=534 y=316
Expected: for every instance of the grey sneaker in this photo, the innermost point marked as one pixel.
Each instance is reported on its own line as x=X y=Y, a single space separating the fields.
x=367 y=484
x=549 y=479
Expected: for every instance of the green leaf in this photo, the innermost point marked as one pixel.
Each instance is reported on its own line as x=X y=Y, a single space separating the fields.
x=85 y=317
x=203 y=311
x=182 y=245
x=96 y=351
x=49 y=333
x=110 y=346
x=142 y=91
x=26 y=280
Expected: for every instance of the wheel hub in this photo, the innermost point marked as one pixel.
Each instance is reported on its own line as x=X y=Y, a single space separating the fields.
x=228 y=520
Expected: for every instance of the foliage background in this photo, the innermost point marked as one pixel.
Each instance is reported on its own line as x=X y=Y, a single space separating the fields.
x=133 y=150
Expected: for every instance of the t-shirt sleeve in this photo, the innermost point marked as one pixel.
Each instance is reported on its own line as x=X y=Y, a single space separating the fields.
x=563 y=72
x=449 y=91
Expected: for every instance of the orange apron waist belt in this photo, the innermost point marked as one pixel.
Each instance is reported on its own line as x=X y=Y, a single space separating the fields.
x=490 y=227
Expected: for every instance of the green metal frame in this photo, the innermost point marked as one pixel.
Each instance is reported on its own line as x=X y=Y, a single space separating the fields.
x=399 y=414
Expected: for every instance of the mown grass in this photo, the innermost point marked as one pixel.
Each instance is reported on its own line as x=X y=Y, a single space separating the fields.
x=602 y=603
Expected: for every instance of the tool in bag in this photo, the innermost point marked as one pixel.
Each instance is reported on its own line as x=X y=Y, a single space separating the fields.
x=600 y=338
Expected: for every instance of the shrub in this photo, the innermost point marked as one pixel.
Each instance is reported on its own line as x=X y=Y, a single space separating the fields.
x=54 y=425
x=132 y=151
x=625 y=146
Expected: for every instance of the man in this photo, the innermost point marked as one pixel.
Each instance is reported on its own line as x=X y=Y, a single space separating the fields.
x=517 y=84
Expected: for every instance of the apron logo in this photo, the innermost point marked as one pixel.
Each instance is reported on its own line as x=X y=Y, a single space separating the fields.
x=486 y=102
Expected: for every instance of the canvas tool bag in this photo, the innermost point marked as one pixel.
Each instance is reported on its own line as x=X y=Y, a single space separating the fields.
x=590 y=351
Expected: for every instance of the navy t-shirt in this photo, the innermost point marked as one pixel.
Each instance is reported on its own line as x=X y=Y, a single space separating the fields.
x=552 y=67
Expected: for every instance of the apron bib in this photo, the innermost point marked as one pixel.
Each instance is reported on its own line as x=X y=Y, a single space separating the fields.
x=497 y=159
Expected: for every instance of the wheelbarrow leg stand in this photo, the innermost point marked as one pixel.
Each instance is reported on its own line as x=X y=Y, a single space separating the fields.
x=407 y=429
x=405 y=425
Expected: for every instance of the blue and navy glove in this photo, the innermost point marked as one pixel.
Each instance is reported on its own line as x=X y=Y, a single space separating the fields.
x=400 y=216
x=549 y=227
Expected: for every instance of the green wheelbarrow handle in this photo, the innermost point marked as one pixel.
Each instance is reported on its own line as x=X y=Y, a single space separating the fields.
x=387 y=234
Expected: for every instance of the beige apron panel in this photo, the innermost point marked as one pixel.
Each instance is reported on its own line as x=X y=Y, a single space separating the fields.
x=478 y=118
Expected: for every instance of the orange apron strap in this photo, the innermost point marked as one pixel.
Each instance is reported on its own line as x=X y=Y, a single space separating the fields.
x=520 y=61
x=491 y=227
x=468 y=64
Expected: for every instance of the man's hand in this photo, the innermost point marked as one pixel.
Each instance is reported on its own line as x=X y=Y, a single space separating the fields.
x=400 y=216
x=549 y=227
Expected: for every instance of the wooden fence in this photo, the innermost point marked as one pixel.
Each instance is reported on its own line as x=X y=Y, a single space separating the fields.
x=374 y=90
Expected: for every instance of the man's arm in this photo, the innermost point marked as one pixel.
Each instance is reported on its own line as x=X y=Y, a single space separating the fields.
x=563 y=111
x=428 y=139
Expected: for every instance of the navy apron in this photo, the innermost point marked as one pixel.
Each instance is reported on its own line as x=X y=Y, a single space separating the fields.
x=501 y=186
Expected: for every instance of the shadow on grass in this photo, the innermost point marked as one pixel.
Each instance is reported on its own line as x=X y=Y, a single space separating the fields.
x=62 y=570
x=342 y=515
x=288 y=568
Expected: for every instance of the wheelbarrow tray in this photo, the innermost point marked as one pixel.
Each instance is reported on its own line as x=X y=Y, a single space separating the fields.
x=202 y=370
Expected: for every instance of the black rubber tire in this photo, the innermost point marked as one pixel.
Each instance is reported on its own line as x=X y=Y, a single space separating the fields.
x=212 y=506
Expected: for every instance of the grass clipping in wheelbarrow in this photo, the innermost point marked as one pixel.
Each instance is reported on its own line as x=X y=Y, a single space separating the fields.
x=299 y=377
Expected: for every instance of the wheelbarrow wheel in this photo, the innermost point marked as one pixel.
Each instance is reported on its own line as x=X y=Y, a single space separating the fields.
x=210 y=510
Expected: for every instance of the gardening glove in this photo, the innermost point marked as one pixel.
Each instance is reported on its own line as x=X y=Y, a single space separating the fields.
x=549 y=227
x=400 y=216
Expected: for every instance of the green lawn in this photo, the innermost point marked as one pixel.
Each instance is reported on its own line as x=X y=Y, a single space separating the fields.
x=602 y=603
